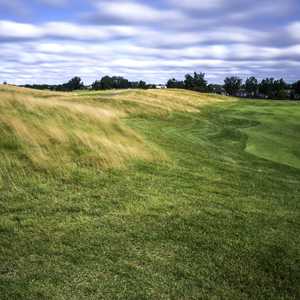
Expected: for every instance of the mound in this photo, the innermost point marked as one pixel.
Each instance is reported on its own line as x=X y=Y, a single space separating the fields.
x=53 y=130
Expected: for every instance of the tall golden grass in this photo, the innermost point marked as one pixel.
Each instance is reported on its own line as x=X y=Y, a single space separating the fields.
x=57 y=130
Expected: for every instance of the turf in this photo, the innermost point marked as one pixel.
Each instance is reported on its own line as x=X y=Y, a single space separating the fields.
x=209 y=210
x=276 y=137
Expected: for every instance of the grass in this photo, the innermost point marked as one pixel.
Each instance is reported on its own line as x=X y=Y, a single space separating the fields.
x=53 y=133
x=162 y=195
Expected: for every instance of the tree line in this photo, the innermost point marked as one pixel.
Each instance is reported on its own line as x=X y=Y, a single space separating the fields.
x=105 y=83
x=268 y=88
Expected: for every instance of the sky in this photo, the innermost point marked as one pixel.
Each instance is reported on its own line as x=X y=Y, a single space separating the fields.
x=50 y=41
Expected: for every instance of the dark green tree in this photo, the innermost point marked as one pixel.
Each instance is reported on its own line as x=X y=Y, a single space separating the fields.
x=296 y=87
x=106 y=83
x=142 y=85
x=232 y=85
x=215 y=88
x=74 y=84
x=195 y=82
x=189 y=82
x=251 y=86
x=97 y=85
x=119 y=82
x=266 y=87
x=175 y=84
x=280 y=89
x=115 y=82
x=200 y=84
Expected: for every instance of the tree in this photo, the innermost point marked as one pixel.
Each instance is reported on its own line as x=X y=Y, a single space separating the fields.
x=215 y=88
x=175 y=84
x=273 y=89
x=97 y=85
x=119 y=82
x=200 y=84
x=106 y=83
x=134 y=84
x=171 y=83
x=251 y=86
x=115 y=82
x=296 y=87
x=196 y=82
x=279 y=89
x=74 y=84
x=189 y=82
x=266 y=87
x=282 y=95
x=232 y=85
x=151 y=86
x=142 y=85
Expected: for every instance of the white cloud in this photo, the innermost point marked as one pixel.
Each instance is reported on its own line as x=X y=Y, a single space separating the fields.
x=9 y=29
x=180 y=39
x=57 y=61
x=135 y=12
x=141 y=35
x=74 y=31
x=14 y=30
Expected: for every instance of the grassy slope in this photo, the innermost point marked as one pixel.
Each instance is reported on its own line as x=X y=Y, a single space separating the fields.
x=190 y=215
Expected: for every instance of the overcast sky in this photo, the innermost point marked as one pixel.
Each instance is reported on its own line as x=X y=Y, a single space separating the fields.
x=49 y=41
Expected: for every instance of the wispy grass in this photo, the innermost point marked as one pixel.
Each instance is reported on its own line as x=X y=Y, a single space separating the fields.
x=161 y=101
x=57 y=130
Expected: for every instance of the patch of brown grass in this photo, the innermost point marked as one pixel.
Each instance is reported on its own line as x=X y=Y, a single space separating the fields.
x=58 y=132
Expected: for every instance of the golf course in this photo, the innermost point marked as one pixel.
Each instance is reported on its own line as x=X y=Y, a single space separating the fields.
x=148 y=194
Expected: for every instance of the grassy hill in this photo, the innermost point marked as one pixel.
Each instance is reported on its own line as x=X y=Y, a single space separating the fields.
x=164 y=194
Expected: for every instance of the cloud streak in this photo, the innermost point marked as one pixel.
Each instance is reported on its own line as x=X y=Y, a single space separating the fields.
x=150 y=40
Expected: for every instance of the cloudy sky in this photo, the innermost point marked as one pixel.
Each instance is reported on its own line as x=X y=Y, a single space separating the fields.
x=49 y=41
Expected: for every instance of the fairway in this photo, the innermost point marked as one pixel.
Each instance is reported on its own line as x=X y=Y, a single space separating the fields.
x=156 y=194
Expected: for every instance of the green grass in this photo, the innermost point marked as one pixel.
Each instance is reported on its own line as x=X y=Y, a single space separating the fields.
x=276 y=137
x=218 y=218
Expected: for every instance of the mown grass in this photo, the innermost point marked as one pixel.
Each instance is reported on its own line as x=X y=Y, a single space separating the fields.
x=205 y=217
